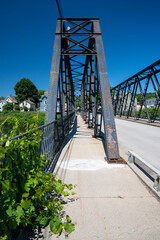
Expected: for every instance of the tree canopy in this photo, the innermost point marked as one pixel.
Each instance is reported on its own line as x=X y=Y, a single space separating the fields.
x=8 y=107
x=40 y=93
x=26 y=90
x=78 y=102
x=148 y=96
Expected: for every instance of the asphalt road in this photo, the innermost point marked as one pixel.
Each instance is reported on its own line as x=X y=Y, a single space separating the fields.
x=139 y=138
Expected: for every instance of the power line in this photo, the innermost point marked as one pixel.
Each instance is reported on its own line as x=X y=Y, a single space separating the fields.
x=59 y=8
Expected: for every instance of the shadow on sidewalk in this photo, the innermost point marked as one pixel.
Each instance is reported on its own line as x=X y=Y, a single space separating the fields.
x=64 y=162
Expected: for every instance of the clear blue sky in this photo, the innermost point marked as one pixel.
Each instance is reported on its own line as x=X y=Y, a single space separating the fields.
x=130 y=31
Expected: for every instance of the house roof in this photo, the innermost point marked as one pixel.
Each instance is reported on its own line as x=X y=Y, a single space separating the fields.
x=12 y=99
x=30 y=102
x=43 y=96
x=2 y=101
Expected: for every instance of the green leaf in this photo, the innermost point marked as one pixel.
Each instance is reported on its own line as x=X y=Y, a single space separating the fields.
x=19 y=212
x=18 y=220
x=59 y=187
x=68 y=219
x=26 y=204
x=6 y=184
x=69 y=227
x=66 y=193
x=25 y=195
x=42 y=220
x=60 y=228
x=7 y=143
x=54 y=225
x=27 y=187
x=32 y=208
x=9 y=211
x=70 y=186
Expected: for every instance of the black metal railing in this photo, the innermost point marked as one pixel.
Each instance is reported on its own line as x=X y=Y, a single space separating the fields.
x=53 y=137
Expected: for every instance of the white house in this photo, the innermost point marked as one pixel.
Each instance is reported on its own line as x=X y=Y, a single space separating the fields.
x=2 y=103
x=11 y=99
x=29 y=104
x=8 y=99
x=151 y=102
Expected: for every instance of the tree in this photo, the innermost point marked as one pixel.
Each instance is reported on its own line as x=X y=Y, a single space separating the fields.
x=17 y=108
x=40 y=93
x=26 y=90
x=2 y=98
x=148 y=96
x=78 y=102
x=8 y=107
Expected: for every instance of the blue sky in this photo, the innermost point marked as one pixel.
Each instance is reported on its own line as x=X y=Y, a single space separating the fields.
x=130 y=31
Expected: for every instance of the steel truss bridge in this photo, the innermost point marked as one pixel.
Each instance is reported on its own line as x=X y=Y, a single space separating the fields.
x=124 y=94
x=79 y=68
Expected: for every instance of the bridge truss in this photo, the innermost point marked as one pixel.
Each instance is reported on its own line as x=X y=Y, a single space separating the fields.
x=124 y=95
x=79 y=69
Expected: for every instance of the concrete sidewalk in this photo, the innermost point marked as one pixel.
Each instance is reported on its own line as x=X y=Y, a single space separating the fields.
x=110 y=201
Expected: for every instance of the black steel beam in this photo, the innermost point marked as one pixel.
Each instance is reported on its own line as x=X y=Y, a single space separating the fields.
x=111 y=143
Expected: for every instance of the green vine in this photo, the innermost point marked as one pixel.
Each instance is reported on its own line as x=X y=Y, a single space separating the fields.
x=29 y=196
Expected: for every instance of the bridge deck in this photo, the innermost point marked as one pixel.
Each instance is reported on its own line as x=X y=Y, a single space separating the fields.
x=110 y=201
x=140 y=138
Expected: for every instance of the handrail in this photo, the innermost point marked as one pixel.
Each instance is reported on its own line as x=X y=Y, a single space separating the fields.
x=39 y=128
x=147 y=167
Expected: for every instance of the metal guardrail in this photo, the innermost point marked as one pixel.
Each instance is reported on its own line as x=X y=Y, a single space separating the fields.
x=147 y=167
x=52 y=137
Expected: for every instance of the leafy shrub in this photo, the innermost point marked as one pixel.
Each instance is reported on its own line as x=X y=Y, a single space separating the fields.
x=17 y=108
x=29 y=196
x=5 y=111
x=26 y=120
x=8 y=107
x=25 y=109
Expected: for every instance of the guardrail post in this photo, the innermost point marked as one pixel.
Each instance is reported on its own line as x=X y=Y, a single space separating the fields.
x=131 y=158
x=156 y=185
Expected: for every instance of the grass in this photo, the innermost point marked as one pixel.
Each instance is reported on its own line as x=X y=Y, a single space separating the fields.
x=26 y=120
